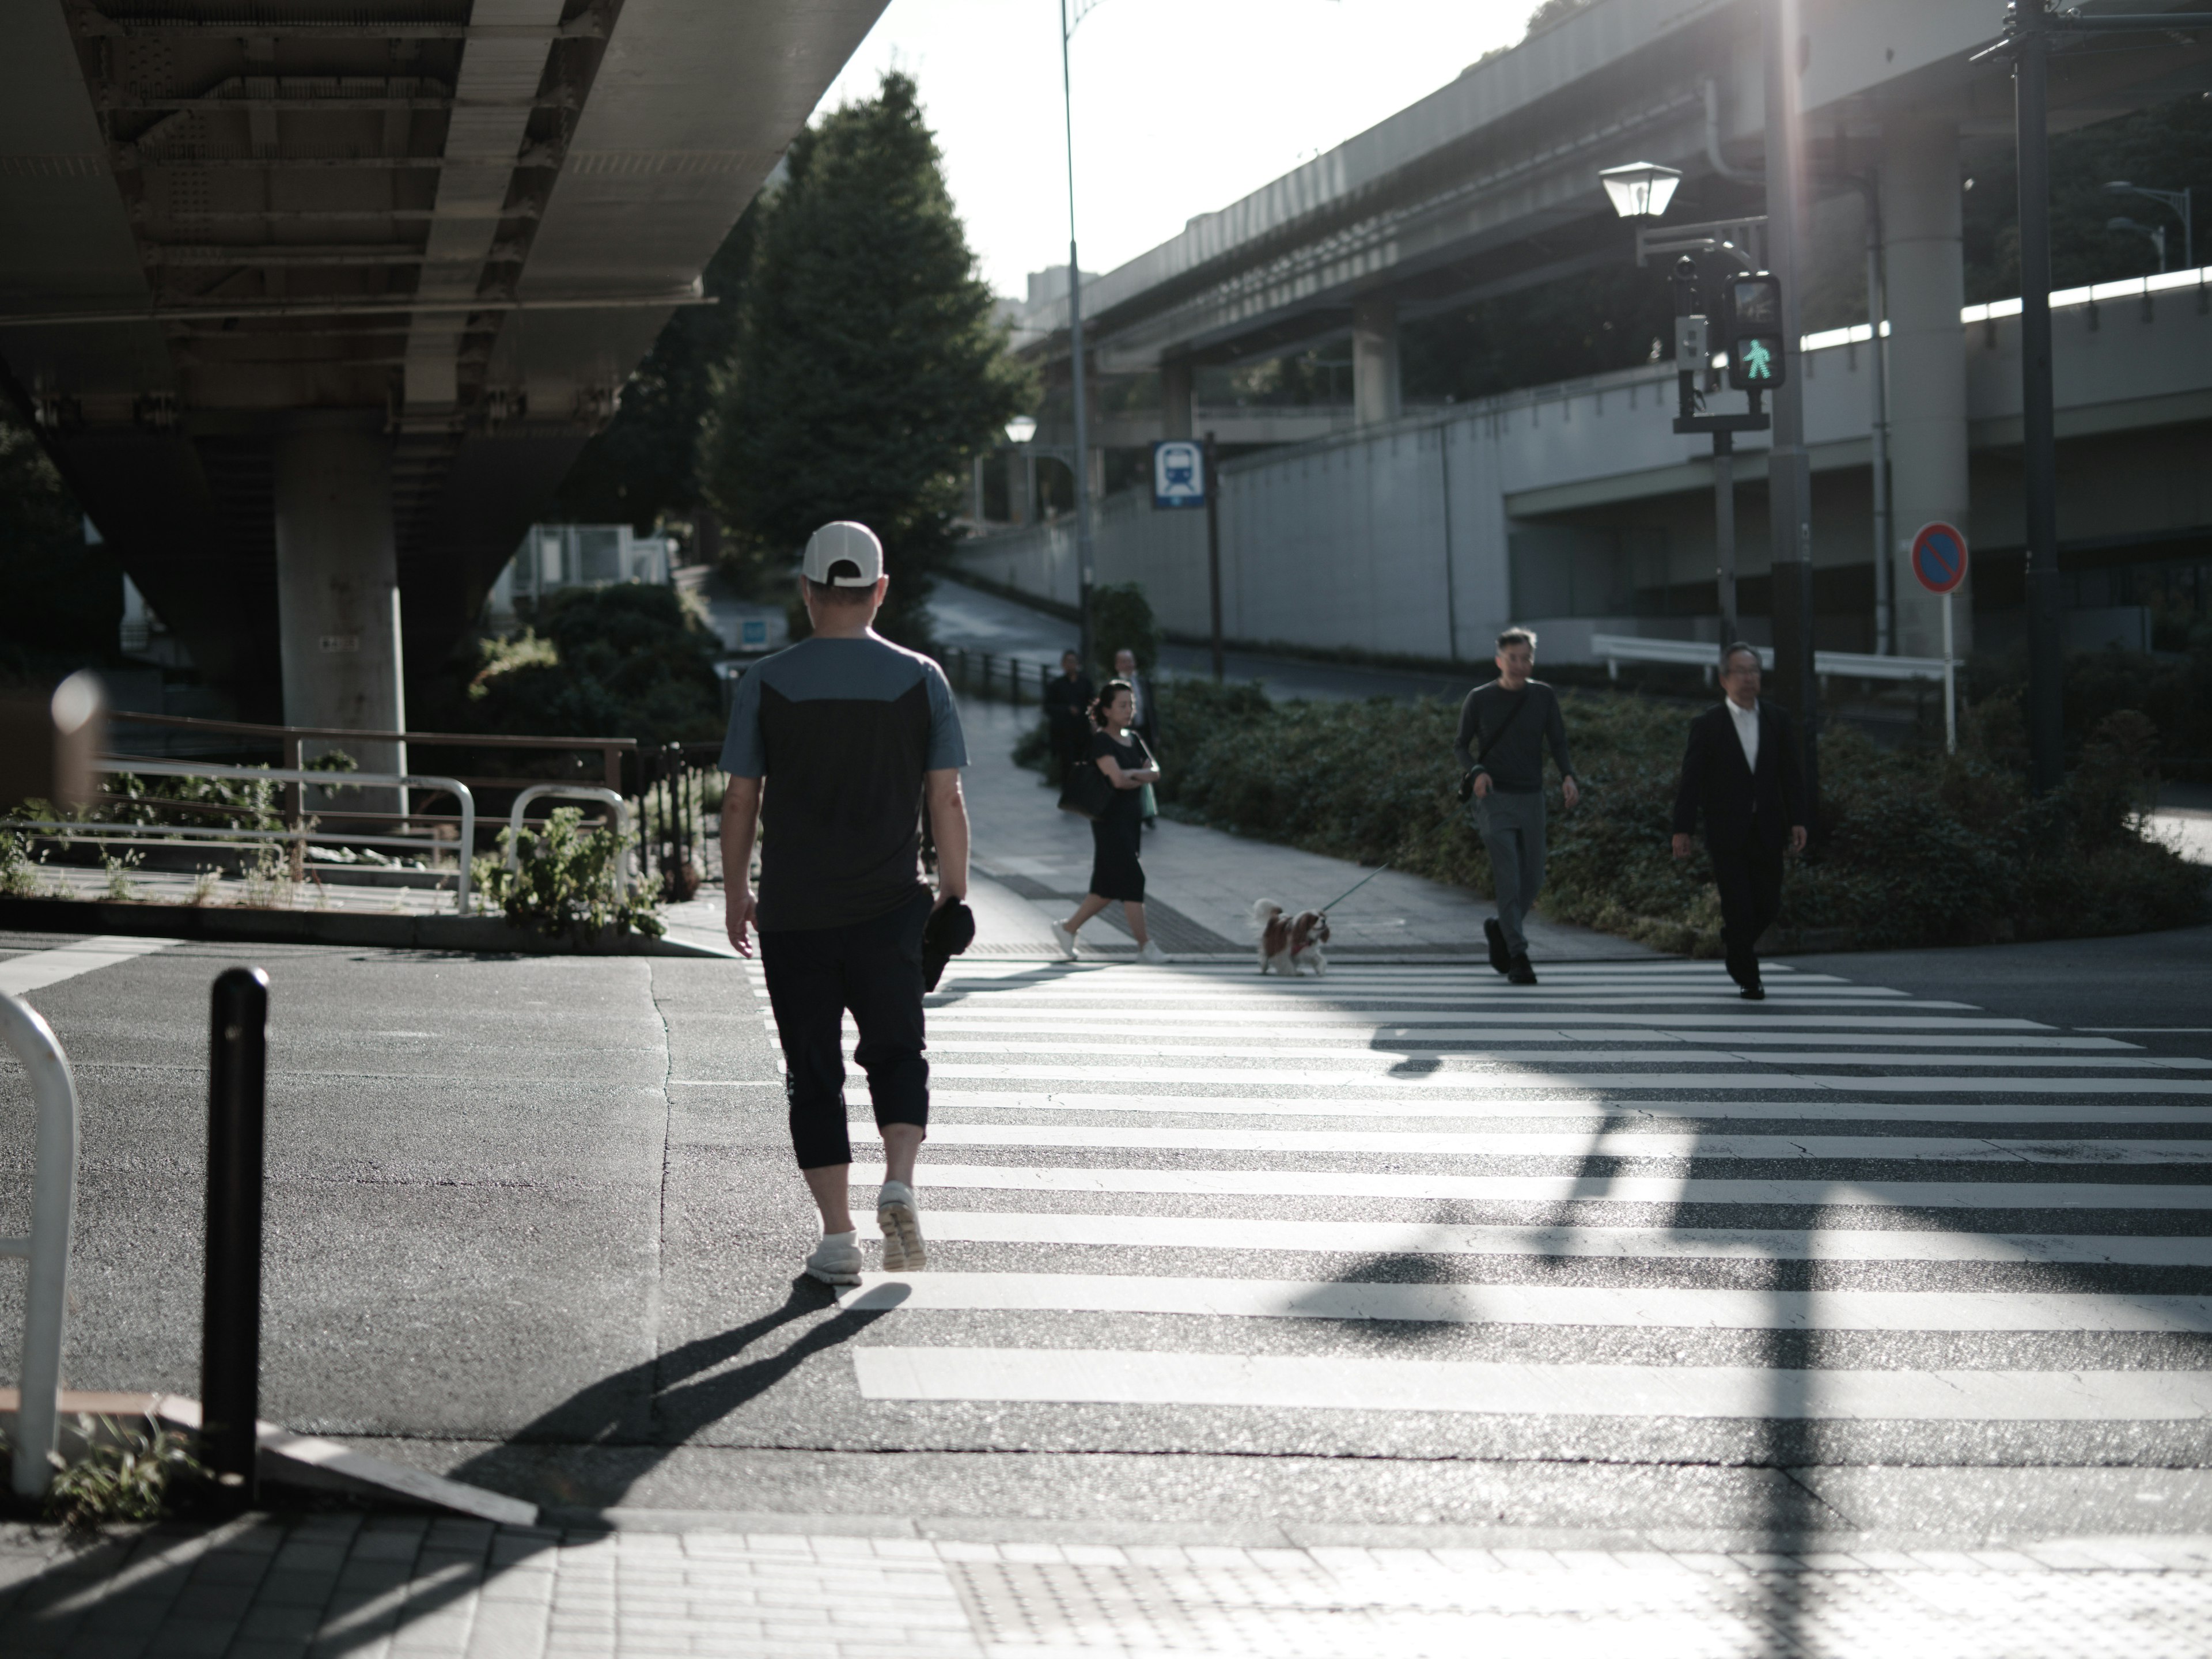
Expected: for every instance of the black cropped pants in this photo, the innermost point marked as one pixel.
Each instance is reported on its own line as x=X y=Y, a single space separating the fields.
x=814 y=975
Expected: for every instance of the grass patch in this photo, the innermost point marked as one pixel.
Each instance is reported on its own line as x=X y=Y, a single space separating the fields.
x=1912 y=848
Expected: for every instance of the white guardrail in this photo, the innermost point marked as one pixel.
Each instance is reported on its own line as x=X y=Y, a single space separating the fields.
x=571 y=792
x=1617 y=648
x=53 y=1212
x=96 y=831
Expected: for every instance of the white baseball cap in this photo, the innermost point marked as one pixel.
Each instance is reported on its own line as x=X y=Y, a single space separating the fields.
x=844 y=540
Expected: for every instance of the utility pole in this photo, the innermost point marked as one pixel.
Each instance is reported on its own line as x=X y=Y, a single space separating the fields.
x=1083 y=566
x=2029 y=25
x=2046 y=666
x=1213 y=549
x=1789 y=479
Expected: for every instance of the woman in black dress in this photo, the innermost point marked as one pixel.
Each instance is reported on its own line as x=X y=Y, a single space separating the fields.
x=1116 y=832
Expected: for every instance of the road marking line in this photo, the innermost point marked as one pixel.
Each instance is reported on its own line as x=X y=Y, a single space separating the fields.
x=1601 y=1143
x=1735 y=1028
x=1479 y=1082
x=1608 y=1243
x=1623 y=1115
x=37 y=970
x=1122 y=1376
x=1387 y=1055
x=1613 y=1307
x=972 y=1025
x=1671 y=1189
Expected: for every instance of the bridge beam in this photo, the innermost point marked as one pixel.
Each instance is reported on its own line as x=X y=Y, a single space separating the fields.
x=337 y=585
x=1922 y=222
x=1375 y=382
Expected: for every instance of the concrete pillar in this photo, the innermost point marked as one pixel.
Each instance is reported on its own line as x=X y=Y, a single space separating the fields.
x=1176 y=390
x=1375 y=359
x=976 y=490
x=337 y=590
x=1921 y=222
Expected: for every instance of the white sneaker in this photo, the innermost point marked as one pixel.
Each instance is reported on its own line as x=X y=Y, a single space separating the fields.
x=902 y=1229
x=1150 y=951
x=837 y=1259
x=1063 y=941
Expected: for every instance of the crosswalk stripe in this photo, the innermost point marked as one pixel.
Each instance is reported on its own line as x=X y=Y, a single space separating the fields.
x=1528 y=1078
x=1630 y=1307
x=34 y=970
x=1083 y=1228
x=1624 y=1114
x=1735 y=1028
x=1992 y=1195
x=1346 y=1383
x=1469 y=1060
x=1604 y=1143
x=974 y=1028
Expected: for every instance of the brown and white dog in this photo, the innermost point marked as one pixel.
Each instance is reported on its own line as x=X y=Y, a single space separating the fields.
x=1289 y=944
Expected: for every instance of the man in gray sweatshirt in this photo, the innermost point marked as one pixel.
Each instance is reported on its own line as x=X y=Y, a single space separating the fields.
x=1503 y=727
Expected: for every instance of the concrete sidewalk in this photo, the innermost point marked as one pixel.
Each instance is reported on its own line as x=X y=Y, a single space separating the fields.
x=378 y=1586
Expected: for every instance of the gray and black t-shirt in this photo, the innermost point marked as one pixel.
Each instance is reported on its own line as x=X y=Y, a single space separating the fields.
x=843 y=731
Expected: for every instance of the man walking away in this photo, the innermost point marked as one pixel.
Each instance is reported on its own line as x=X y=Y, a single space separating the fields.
x=1741 y=771
x=856 y=735
x=1504 y=728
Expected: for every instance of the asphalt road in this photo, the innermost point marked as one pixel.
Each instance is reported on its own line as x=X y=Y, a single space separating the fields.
x=1405 y=1247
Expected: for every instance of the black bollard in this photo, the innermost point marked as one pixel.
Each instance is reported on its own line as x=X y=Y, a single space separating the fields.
x=230 y=1318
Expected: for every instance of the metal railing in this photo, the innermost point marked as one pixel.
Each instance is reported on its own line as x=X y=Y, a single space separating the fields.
x=298 y=836
x=572 y=792
x=981 y=674
x=1617 y=649
x=672 y=843
x=53 y=1213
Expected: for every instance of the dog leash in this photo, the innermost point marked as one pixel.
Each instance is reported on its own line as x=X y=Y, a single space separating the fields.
x=1354 y=888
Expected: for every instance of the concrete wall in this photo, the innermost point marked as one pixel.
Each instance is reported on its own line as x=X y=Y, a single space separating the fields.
x=1398 y=538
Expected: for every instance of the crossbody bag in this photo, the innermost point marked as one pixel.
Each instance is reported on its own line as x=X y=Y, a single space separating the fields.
x=1467 y=783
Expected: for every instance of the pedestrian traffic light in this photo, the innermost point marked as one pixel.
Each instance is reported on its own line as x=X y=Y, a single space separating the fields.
x=1751 y=322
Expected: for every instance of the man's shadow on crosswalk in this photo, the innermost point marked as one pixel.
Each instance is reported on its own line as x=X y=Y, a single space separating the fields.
x=645 y=1411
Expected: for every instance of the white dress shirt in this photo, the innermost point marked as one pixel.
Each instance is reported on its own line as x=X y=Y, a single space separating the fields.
x=1747 y=732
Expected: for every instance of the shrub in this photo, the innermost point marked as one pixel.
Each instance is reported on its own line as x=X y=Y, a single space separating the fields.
x=1911 y=849
x=564 y=882
x=1121 y=618
x=125 y=1474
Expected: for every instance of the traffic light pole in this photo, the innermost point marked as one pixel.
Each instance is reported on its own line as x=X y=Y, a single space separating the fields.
x=1724 y=530
x=1789 y=477
x=1692 y=358
x=2047 y=711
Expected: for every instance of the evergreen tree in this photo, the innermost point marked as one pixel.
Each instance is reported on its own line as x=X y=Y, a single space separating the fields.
x=868 y=366
x=645 y=464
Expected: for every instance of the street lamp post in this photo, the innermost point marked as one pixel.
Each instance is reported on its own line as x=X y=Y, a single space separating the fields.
x=2177 y=201
x=1083 y=571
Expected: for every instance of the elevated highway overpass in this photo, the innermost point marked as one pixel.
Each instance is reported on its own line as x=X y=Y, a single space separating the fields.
x=1575 y=508
x=313 y=305
x=1491 y=184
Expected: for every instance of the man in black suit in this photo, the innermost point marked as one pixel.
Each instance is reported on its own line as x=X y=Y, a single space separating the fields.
x=1741 y=772
x=1067 y=712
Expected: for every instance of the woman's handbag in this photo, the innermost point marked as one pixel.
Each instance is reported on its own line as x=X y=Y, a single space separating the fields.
x=1088 y=792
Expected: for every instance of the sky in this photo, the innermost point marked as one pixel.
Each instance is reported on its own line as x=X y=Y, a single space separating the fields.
x=1181 y=107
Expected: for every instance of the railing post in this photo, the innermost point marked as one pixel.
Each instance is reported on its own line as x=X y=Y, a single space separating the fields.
x=230 y=1321
x=53 y=1210
x=296 y=811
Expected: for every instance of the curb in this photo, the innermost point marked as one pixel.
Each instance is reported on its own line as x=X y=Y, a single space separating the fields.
x=489 y=935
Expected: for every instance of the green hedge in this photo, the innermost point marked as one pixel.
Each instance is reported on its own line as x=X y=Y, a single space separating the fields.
x=1913 y=848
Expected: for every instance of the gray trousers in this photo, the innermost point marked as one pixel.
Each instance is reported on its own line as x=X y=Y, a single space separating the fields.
x=1512 y=826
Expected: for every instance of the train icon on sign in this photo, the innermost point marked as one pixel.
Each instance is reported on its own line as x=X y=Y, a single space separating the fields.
x=1179 y=473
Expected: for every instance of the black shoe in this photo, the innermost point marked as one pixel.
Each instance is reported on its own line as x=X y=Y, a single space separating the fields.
x=1521 y=973
x=1499 y=960
x=1754 y=991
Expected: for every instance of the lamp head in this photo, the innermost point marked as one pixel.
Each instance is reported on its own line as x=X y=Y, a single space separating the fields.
x=1020 y=429
x=1641 y=189
x=2119 y=187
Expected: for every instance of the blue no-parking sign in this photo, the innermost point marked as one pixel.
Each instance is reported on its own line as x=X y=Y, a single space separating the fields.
x=1179 y=473
x=1939 y=557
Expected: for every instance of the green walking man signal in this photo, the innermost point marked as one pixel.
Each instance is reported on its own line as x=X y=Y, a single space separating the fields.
x=1751 y=324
